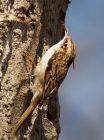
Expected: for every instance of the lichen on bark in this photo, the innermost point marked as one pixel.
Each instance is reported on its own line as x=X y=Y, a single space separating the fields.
x=27 y=26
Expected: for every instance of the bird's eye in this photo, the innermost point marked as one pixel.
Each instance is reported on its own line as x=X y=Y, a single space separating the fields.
x=64 y=46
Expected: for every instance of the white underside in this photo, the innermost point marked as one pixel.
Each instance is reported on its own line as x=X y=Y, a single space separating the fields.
x=45 y=59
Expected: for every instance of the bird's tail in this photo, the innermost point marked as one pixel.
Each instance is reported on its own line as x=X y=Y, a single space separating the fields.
x=29 y=110
x=22 y=119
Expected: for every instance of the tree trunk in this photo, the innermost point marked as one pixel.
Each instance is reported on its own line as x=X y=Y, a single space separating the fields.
x=27 y=29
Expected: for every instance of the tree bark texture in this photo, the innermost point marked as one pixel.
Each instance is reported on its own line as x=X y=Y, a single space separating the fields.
x=27 y=27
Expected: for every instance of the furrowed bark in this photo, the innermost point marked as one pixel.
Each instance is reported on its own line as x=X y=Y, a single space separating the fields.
x=27 y=27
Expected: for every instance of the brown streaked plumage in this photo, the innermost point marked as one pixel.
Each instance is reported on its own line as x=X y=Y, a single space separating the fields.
x=50 y=73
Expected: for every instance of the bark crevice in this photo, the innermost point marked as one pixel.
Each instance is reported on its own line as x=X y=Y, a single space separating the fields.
x=32 y=27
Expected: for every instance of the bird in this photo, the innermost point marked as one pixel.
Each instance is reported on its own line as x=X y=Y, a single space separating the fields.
x=50 y=72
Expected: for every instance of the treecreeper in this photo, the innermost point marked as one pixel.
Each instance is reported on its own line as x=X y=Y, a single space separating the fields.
x=50 y=73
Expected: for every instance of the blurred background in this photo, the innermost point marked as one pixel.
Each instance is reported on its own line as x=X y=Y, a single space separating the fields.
x=82 y=93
